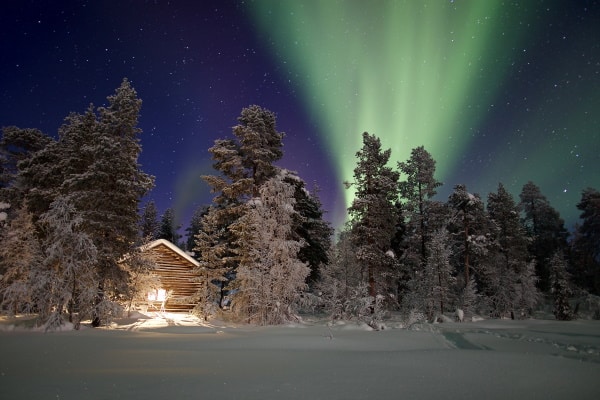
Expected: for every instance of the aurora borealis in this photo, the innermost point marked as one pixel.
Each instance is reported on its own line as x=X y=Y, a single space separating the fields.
x=446 y=75
x=496 y=91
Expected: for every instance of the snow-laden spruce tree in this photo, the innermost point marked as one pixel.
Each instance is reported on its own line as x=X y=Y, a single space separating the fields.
x=70 y=279
x=105 y=183
x=39 y=178
x=585 y=246
x=217 y=262
x=342 y=287
x=167 y=228
x=270 y=277
x=431 y=291
x=17 y=145
x=468 y=299
x=527 y=293
x=560 y=287
x=545 y=229
x=469 y=228
x=438 y=275
x=244 y=164
x=196 y=225
x=93 y=166
x=374 y=217
x=21 y=260
x=507 y=270
x=417 y=190
x=149 y=222
x=310 y=227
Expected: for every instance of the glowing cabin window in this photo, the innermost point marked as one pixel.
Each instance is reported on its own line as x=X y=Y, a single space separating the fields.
x=157 y=295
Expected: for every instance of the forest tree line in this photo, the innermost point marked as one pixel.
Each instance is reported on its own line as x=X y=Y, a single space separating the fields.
x=71 y=232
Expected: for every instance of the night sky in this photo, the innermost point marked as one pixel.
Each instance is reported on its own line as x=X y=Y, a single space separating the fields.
x=496 y=91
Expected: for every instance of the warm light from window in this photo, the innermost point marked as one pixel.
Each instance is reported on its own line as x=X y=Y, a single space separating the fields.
x=157 y=295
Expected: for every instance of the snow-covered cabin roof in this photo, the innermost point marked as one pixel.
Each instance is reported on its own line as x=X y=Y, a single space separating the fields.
x=172 y=247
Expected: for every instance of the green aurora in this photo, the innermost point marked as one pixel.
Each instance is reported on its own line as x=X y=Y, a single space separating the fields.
x=436 y=73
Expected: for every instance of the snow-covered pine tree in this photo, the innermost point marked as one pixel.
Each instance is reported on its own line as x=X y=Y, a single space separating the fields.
x=499 y=282
x=195 y=227
x=527 y=292
x=310 y=227
x=21 y=260
x=270 y=276
x=468 y=226
x=260 y=144
x=417 y=191
x=585 y=246
x=105 y=183
x=39 y=178
x=441 y=272
x=430 y=291
x=243 y=164
x=69 y=273
x=94 y=168
x=560 y=287
x=342 y=286
x=217 y=261
x=167 y=228
x=469 y=299
x=374 y=217
x=545 y=229
x=17 y=145
x=149 y=222
x=507 y=266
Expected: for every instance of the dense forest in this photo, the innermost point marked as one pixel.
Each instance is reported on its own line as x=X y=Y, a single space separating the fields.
x=72 y=226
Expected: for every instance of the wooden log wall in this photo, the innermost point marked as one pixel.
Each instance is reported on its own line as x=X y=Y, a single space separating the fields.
x=177 y=275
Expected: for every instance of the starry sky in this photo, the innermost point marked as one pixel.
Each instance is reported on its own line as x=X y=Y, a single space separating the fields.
x=496 y=91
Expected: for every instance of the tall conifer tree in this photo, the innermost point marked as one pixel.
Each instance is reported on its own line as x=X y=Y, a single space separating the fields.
x=105 y=182
x=309 y=226
x=560 y=287
x=167 y=228
x=468 y=225
x=374 y=215
x=546 y=230
x=243 y=165
x=149 y=222
x=17 y=146
x=417 y=190
x=586 y=243
x=508 y=270
x=270 y=276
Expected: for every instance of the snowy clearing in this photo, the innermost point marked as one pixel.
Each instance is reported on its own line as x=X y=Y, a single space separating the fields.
x=175 y=356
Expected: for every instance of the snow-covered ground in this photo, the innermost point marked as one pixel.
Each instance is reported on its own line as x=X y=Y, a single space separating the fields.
x=170 y=356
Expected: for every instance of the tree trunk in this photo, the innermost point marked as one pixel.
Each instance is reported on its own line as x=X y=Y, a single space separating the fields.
x=466 y=224
x=96 y=319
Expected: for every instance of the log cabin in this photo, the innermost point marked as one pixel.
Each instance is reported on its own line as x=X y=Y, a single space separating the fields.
x=179 y=277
